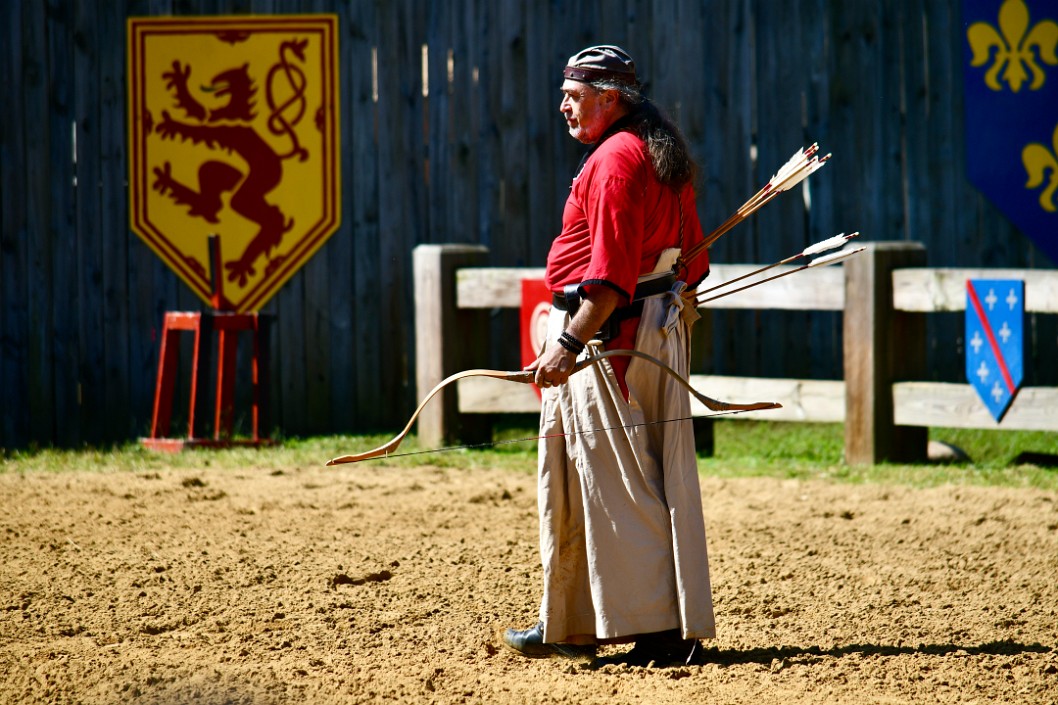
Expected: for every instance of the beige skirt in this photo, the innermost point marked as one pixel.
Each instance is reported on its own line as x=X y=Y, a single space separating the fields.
x=622 y=535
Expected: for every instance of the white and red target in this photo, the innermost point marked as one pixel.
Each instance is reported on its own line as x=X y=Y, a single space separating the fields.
x=536 y=307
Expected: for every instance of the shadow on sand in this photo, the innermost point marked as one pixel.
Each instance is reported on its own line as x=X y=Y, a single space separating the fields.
x=765 y=656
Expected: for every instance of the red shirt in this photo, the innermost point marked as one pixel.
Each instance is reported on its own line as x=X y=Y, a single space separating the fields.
x=617 y=220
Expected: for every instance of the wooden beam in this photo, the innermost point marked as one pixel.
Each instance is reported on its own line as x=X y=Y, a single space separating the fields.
x=942 y=404
x=819 y=289
x=819 y=401
x=811 y=400
x=483 y=395
x=945 y=289
x=493 y=287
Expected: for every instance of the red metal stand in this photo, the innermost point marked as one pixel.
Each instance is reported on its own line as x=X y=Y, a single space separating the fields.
x=226 y=325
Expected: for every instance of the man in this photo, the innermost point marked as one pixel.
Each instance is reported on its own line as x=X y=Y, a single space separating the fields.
x=622 y=536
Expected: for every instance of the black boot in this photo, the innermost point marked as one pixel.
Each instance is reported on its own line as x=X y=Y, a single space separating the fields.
x=666 y=648
x=530 y=642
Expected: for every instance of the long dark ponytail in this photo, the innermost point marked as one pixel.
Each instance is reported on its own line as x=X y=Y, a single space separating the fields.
x=668 y=148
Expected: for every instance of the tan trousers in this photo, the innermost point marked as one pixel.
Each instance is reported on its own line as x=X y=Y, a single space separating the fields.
x=622 y=537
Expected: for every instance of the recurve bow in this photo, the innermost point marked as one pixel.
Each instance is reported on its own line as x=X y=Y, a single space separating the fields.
x=526 y=377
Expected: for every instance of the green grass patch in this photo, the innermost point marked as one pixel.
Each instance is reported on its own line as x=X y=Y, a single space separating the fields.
x=291 y=454
x=742 y=449
x=816 y=451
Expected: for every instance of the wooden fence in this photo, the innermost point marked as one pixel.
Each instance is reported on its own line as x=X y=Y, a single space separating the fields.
x=882 y=294
x=450 y=133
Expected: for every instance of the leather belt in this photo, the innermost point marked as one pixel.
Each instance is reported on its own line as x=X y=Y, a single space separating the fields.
x=654 y=286
x=623 y=313
x=644 y=289
x=568 y=300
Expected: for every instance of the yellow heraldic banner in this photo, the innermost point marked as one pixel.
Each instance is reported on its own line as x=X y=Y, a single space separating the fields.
x=233 y=131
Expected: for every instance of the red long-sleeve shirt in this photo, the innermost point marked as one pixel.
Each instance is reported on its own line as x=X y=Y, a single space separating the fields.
x=616 y=222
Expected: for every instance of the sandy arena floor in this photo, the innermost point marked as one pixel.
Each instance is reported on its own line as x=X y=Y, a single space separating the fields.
x=371 y=584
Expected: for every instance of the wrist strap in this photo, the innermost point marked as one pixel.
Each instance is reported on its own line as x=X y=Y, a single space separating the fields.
x=570 y=343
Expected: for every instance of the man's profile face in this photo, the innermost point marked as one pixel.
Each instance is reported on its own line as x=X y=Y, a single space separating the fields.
x=588 y=112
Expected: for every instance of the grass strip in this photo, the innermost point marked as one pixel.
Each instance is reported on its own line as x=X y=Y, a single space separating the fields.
x=742 y=449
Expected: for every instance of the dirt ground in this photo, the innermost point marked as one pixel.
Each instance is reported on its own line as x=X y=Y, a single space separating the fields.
x=364 y=583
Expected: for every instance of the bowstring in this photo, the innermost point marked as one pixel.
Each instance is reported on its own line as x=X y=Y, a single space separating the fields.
x=510 y=441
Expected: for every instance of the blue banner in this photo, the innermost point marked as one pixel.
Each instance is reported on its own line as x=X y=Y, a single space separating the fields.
x=1011 y=101
x=995 y=313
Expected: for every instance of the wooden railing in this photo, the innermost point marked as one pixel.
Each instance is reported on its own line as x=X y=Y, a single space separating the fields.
x=884 y=294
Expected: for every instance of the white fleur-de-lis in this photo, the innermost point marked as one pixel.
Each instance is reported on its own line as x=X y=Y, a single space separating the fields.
x=976 y=342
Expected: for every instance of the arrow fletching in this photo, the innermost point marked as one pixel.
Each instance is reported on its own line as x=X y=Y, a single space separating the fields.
x=802 y=172
x=831 y=243
x=788 y=168
x=797 y=168
x=835 y=257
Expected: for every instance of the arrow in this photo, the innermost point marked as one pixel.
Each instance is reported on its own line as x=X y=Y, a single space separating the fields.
x=822 y=261
x=824 y=246
x=799 y=167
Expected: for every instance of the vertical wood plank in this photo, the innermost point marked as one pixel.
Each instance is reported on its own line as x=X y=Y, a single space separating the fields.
x=366 y=358
x=511 y=243
x=118 y=398
x=824 y=329
x=87 y=227
x=542 y=79
x=611 y=25
x=462 y=188
x=562 y=152
x=944 y=80
x=690 y=113
x=779 y=228
x=317 y=325
x=14 y=236
x=724 y=181
x=61 y=233
x=730 y=167
x=491 y=132
x=337 y=255
x=399 y=106
x=439 y=127
x=944 y=197
x=145 y=275
x=317 y=321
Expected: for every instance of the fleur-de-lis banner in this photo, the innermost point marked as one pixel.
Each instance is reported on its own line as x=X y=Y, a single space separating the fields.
x=1011 y=77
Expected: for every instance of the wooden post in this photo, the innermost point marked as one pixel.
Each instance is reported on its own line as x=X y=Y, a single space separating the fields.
x=882 y=346
x=701 y=354
x=447 y=340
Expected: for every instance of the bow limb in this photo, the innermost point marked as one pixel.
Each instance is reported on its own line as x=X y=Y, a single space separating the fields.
x=392 y=444
x=709 y=402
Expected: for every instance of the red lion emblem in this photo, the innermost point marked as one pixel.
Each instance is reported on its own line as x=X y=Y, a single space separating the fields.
x=229 y=129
